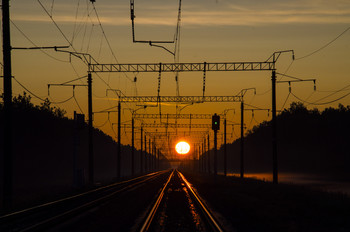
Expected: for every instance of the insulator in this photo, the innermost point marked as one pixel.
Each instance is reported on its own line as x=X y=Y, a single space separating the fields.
x=314 y=85
x=290 y=88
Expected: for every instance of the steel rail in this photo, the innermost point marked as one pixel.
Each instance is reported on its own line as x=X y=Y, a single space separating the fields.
x=210 y=218
x=62 y=215
x=49 y=204
x=153 y=211
x=203 y=209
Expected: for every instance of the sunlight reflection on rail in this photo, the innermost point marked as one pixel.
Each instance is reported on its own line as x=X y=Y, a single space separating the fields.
x=195 y=215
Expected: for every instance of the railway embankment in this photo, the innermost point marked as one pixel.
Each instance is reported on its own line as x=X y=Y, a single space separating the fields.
x=255 y=205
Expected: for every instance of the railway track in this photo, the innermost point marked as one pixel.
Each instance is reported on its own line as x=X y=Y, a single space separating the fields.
x=49 y=215
x=160 y=201
x=179 y=208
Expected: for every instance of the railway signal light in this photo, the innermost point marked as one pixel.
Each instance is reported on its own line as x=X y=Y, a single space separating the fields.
x=215 y=122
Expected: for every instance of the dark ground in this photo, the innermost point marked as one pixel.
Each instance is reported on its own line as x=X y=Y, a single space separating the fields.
x=253 y=205
x=125 y=212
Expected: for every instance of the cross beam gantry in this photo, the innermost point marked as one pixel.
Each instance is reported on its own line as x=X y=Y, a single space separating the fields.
x=171 y=125
x=174 y=125
x=174 y=116
x=183 y=67
x=179 y=99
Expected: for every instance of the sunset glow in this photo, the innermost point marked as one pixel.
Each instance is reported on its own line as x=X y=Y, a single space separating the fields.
x=182 y=148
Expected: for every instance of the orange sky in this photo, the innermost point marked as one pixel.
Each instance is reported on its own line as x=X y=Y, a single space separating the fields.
x=211 y=31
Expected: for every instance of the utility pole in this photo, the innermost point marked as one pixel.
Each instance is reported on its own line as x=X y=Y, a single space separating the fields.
x=274 y=130
x=215 y=152
x=132 y=147
x=119 y=143
x=215 y=127
x=202 y=160
x=209 y=171
x=242 y=139
x=204 y=156
x=141 y=152
x=225 y=149
x=8 y=155
x=150 y=155
x=91 y=148
x=146 y=158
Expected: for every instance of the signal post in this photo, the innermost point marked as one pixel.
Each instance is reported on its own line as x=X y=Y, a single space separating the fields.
x=215 y=127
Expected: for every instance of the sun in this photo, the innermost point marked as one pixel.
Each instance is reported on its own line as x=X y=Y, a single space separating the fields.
x=182 y=148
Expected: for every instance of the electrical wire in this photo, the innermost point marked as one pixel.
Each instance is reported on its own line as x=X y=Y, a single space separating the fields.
x=253 y=106
x=100 y=111
x=295 y=78
x=260 y=94
x=256 y=121
x=61 y=102
x=53 y=2
x=285 y=101
x=76 y=101
x=75 y=22
x=25 y=36
x=250 y=123
x=79 y=78
x=323 y=103
x=103 y=124
x=54 y=22
x=103 y=32
x=105 y=36
x=110 y=123
x=335 y=92
x=36 y=96
x=324 y=46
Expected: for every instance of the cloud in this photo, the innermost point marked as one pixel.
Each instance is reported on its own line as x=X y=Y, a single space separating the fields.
x=225 y=13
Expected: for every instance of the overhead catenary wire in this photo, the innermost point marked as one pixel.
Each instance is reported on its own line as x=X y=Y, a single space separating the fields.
x=36 y=96
x=54 y=22
x=322 y=103
x=71 y=44
x=285 y=100
x=324 y=46
x=335 y=92
x=34 y=44
x=105 y=36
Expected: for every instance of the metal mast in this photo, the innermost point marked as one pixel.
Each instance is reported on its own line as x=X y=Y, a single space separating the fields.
x=8 y=159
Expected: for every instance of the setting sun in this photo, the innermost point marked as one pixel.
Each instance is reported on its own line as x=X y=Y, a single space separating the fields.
x=182 y=148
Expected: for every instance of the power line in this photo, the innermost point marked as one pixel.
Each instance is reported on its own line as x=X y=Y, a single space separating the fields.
x=54 y=22
x=258 y=108
x=25 y=36
x=323 y=103
x=36 y=96
x=333 y=93
x=285 y=101
x=76 y=101
x=324 y=46
x=105 y=36
x=61 y=102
